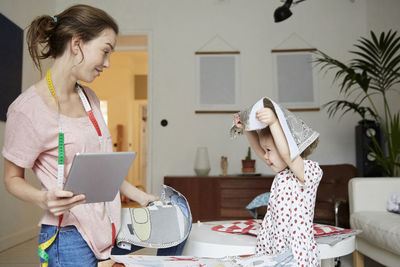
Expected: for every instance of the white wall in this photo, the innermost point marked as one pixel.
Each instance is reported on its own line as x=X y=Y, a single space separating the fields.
x=179 y=28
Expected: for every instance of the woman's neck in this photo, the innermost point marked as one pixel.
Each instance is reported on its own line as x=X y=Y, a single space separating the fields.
x=62 y=79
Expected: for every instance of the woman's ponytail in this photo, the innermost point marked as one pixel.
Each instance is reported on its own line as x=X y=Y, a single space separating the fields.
x=38 y=36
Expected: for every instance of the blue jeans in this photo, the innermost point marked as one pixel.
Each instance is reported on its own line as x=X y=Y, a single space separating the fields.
x=70 y=249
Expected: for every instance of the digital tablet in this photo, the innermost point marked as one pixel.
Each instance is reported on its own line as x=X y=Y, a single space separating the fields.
x=98 y=175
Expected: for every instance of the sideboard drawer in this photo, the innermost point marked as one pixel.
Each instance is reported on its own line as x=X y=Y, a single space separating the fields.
x=219 y=197
x=236 y=194
x=247 y=183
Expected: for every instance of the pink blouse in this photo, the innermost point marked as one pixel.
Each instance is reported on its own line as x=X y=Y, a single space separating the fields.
x=31 y=141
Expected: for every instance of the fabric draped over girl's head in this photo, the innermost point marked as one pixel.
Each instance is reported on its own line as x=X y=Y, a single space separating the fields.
x=298 y=134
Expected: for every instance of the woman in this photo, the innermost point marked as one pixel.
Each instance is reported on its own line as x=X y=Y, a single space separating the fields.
x=51 y=121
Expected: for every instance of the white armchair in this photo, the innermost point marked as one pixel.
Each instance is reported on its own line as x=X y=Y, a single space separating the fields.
x=380 y=237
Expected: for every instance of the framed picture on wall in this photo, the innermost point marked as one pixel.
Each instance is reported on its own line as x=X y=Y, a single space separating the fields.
x=217 y=82
x=295 y=79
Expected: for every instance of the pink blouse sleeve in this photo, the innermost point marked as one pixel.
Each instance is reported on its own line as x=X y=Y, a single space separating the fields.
x=22 y=143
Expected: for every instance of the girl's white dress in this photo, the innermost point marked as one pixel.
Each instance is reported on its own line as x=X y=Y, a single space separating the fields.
x=288 y=223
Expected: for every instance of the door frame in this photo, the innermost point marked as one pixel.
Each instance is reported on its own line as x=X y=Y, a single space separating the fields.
x=149 y=49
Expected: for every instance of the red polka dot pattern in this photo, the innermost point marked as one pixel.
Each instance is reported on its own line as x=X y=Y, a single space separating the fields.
x=288 y=223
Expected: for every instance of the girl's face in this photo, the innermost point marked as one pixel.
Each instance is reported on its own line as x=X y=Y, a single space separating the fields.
x=96 y=55
x=272 y=156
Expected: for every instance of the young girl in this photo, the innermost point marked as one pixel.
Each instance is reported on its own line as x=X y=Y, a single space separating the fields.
x=52 y=121
x=288 y=223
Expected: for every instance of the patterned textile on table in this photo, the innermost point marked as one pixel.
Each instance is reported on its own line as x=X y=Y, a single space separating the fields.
x=282 y=260
x=252 y=227
x=161 y=224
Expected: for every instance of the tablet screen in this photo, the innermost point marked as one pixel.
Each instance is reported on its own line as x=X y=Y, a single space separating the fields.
x=98 y=175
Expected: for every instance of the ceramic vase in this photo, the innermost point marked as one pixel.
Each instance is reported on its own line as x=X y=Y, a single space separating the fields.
x=202 y=163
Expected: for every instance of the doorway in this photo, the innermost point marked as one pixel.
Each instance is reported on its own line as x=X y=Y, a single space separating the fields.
x=122 y=90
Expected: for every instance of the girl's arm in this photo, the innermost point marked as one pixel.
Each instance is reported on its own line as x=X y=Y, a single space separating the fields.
x=266 y=115
x=252 y=136
x=137 y=195
x=254 y=142
x=56 y=201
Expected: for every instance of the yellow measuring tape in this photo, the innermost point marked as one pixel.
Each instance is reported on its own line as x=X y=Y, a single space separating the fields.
x=42 y=247
x=61 y=154
x=50 y=85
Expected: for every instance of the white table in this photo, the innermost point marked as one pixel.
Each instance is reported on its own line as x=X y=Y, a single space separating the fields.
x=204 y=242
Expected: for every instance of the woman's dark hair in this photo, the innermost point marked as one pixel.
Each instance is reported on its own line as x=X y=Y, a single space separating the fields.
x=47 y=36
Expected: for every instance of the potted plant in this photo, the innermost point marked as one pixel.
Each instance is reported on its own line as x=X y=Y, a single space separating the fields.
x=248 y=164
x=366 y=81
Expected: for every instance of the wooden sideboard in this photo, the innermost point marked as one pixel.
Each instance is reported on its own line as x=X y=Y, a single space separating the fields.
x=219 y=197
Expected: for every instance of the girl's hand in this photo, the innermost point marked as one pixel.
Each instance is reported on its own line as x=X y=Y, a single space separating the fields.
x=267 y=116
x=147 y=198
x=58 y=201
x=238 y=123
